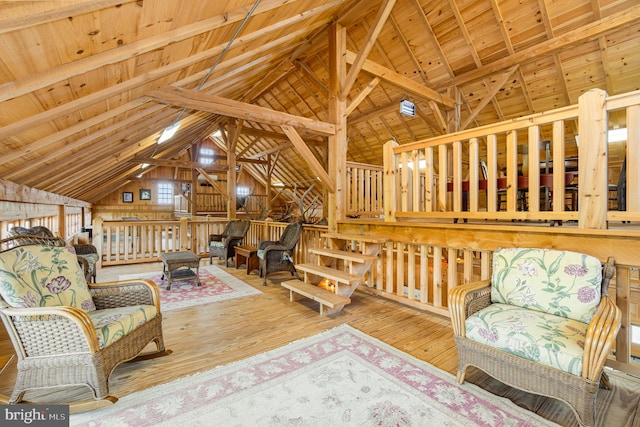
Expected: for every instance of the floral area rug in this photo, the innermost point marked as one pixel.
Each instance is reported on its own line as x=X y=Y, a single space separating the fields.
x=217 y=285
x=341 y=377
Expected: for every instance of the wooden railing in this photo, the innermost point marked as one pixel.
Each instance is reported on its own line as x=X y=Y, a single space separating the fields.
x=208 y=202
x=129 y=242
x=442 y=177
x=364 y=190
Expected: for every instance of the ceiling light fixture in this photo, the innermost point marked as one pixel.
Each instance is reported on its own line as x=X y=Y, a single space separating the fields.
x=407 y=108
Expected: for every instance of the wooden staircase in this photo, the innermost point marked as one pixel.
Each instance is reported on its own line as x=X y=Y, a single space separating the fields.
x=350 y=260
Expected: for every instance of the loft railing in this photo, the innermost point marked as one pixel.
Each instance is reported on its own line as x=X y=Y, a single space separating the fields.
x=462 y=175
x=364 y=190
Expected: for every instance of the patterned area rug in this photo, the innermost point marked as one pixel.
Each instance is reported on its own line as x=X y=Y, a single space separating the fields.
x=217 y=285
x=341 y=377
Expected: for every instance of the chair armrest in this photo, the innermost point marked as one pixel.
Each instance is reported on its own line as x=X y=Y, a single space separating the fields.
x=274 y=247
x=85 y=267
x=125 y=293
x=266 y=243
x=233 y=240
x=465 y=300
x=79 y=333
x=215 y=237
x=601 y=334
x=85 y=249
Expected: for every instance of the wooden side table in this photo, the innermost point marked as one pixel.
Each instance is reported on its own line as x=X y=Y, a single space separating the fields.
x=178 y=266
x=247 y=255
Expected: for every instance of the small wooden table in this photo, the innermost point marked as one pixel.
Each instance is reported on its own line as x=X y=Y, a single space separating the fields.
x=178 y=267
x=247 y=255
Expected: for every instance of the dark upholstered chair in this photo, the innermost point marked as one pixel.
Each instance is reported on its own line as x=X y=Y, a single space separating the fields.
x=87 y=254
x=223 y=245
x=278 y=255
x=64 y=331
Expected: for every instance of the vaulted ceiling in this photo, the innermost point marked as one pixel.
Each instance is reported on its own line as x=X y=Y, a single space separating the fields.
x=87 y=86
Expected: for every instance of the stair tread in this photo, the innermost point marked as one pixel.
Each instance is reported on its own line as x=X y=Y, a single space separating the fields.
x=331 y=273
x=337 y=253
x=316 y=293
x=353 y=236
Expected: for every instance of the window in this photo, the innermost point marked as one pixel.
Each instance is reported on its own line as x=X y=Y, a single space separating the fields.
x=242 y=191
x=206 y=156
x=165 y=194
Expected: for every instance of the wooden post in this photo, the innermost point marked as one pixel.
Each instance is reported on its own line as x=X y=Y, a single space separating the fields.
x=593 y=158
x=337 y=115
x=97 y=231
x=633 y=158
x=184 y=225
x=389 y=184
x=62 y=223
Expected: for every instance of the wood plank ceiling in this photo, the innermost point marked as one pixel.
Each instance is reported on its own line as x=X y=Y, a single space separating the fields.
x=87 y=86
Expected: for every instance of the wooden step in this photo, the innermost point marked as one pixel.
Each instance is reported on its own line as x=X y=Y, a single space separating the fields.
x=358 y=237
x=347 y=256
x=338 y=276
x=323 y=296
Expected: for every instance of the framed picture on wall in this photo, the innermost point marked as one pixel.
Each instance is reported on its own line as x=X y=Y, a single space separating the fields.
x=145 y=194
x=127 y=197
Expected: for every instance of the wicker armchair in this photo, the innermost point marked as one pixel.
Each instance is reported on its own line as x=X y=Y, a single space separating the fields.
x=65 y=332
x=223 y=245
x=278 y=255
x=87 y=254
x=543 y=323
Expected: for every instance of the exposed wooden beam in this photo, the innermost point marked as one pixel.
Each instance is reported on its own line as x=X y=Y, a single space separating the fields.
x=96 y=97
x=307 y=155
x=579 y=35
x=362 y=95
x=374 y=31
x=213 y=183
x=12 y=192
x=179 y=164
x=402 y=82
x=494 y=89
x=240 y=110
x=51 y=76
x=54 y=14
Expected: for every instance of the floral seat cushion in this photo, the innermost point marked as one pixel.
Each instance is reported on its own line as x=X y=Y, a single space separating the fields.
x=43 y=276
x=111 y=324
x=562 y=283
x=540 y=337
x=216 y=244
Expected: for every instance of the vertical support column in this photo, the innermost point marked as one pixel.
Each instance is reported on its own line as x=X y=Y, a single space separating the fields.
x=231 y=173
x=593 y=158
x=511 y=159
x=62 y=223
x=184 y=225
x=559 y=154
x=633 y=158
x=337 y=115
x=98 y=232
x=533 y=159
x=389 y=184
x=268 y=184
x=194 y=193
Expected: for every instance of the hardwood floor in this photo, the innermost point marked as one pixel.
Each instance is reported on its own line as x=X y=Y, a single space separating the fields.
x=207 y=336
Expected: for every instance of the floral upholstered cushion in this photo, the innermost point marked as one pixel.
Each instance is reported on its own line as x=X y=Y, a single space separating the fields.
x=111 y=324
x=43 y=276
x=216 y=244
x=540 y=337
x=563 y=283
